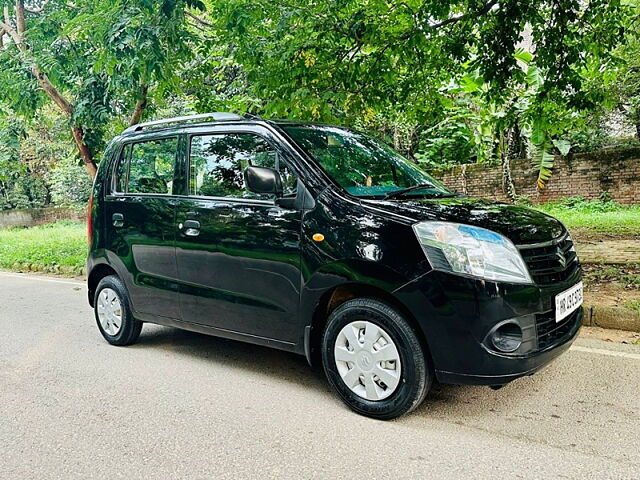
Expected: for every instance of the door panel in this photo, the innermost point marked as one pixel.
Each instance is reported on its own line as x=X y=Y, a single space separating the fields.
x=145 y=245
x=237 y=252
x=140 y=219
x=242 y=272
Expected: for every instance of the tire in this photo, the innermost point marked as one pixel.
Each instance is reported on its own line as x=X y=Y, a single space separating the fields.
x=121 y=331
x=363 y=320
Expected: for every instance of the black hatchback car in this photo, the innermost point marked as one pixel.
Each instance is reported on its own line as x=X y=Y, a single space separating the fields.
x=321 y=241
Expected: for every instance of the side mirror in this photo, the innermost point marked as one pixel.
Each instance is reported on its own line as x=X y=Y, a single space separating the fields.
x=263 y=180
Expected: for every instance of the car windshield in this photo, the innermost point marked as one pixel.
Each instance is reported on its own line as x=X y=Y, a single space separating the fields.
x=363 y=166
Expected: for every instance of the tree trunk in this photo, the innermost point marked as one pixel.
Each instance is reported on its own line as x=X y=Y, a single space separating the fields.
x=638 y=131
x=20 y=17
x=141 y=104
x=85 y=154
x=508 y=186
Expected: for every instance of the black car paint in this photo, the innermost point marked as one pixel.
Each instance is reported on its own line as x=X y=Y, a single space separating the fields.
x=255 y=274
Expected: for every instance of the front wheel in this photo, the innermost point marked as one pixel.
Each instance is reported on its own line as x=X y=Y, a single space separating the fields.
x=374 y=359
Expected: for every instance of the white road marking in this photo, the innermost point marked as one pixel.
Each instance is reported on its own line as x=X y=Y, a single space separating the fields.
x=43 y=279
x=601 y=351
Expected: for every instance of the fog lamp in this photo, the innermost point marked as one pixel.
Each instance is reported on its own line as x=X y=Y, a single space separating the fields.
x=507 y=338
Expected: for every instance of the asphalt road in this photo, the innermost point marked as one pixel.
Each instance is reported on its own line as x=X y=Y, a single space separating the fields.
x=184 y=405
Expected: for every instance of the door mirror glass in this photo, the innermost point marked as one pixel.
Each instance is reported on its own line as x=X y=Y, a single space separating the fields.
x=263 y=180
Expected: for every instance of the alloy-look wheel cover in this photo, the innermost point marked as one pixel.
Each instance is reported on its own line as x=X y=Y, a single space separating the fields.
x=109 y=311
x=367 y=360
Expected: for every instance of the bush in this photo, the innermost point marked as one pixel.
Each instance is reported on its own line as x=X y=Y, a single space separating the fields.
x=603 y=204
x=69 y=182
x=451 y=143
x=23 y=191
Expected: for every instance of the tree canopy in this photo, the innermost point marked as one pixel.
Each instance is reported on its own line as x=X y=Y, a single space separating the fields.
x=444 y=81
x=331 y=59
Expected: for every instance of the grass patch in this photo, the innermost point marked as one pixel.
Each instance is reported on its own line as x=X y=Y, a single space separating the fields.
x=598 y=216
x=56 y=248
x=632 y=305
x=628 y=276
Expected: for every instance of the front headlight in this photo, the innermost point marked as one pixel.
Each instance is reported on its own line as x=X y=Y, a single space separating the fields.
x=475 y=251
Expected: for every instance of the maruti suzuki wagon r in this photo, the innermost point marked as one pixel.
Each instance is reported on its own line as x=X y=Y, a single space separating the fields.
x=321 y=241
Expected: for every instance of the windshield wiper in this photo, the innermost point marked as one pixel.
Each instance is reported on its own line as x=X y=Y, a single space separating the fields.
x=403 y=191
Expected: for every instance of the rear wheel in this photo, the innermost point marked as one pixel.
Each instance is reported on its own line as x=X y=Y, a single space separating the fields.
x=113 y=312
x=374 y=360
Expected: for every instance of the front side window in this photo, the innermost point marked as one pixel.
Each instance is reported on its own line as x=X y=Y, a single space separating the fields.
x=361 y=165
x=147 y=167
x=217 y=164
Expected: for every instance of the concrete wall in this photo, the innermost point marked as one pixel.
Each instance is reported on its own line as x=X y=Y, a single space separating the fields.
x=38 y=216
x=586 y=174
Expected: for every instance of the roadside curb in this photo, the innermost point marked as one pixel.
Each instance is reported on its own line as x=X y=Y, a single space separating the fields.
x=64 y=270
x=618 y=318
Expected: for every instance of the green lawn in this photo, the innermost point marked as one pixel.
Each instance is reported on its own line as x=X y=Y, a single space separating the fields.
x=604 y=217
x=56 y=248
x=62 y=247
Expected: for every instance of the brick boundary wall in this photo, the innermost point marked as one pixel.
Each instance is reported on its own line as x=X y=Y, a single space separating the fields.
x=616 y=171
x=30 y=217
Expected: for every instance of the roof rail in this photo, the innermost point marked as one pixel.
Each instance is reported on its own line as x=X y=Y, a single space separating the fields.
x=214 y=116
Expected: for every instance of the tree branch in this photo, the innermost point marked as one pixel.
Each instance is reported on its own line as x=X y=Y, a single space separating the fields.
x=20 y=17
x=8 y=27
x=141 y=104
x=199 y=20
x=4 y=28
x=485 y=9
x=53 y=93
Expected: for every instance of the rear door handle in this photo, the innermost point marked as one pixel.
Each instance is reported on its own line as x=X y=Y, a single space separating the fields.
x=191 y=228
x=118 y=220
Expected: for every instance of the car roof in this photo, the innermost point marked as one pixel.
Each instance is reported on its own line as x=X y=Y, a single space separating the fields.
x=208 y=119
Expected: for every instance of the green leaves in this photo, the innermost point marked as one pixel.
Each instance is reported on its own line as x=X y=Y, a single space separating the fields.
x=563 y=146
x=459 y=72
x=522 y=55
x=543 y=163
x=535 y=78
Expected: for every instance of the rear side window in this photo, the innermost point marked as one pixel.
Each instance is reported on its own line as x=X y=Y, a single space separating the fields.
x=122 y=170
x=217 y=163
x=147 y=167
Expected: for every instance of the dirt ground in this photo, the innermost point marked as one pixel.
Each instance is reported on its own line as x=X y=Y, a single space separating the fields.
x=611 y=285
x=616 y=336
x=588 y=235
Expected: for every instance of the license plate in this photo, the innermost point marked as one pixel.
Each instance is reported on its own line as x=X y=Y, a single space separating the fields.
x=568 y=301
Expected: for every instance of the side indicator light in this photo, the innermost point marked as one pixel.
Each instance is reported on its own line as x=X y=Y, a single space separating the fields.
x=318 y=237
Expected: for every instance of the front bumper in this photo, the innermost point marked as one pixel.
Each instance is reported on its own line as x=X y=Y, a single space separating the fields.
x=456 y=314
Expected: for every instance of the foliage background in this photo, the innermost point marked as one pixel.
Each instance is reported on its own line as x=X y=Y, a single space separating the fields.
x=444 y=82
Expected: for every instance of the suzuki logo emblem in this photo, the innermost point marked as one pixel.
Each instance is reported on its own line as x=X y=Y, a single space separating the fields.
x=365 y=361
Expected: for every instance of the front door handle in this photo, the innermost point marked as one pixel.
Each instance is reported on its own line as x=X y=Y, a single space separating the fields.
x=118 y=220
x=191 y=228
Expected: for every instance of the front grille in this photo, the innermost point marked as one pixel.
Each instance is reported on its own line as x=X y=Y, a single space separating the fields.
x=549 y=332
x=551 y=262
